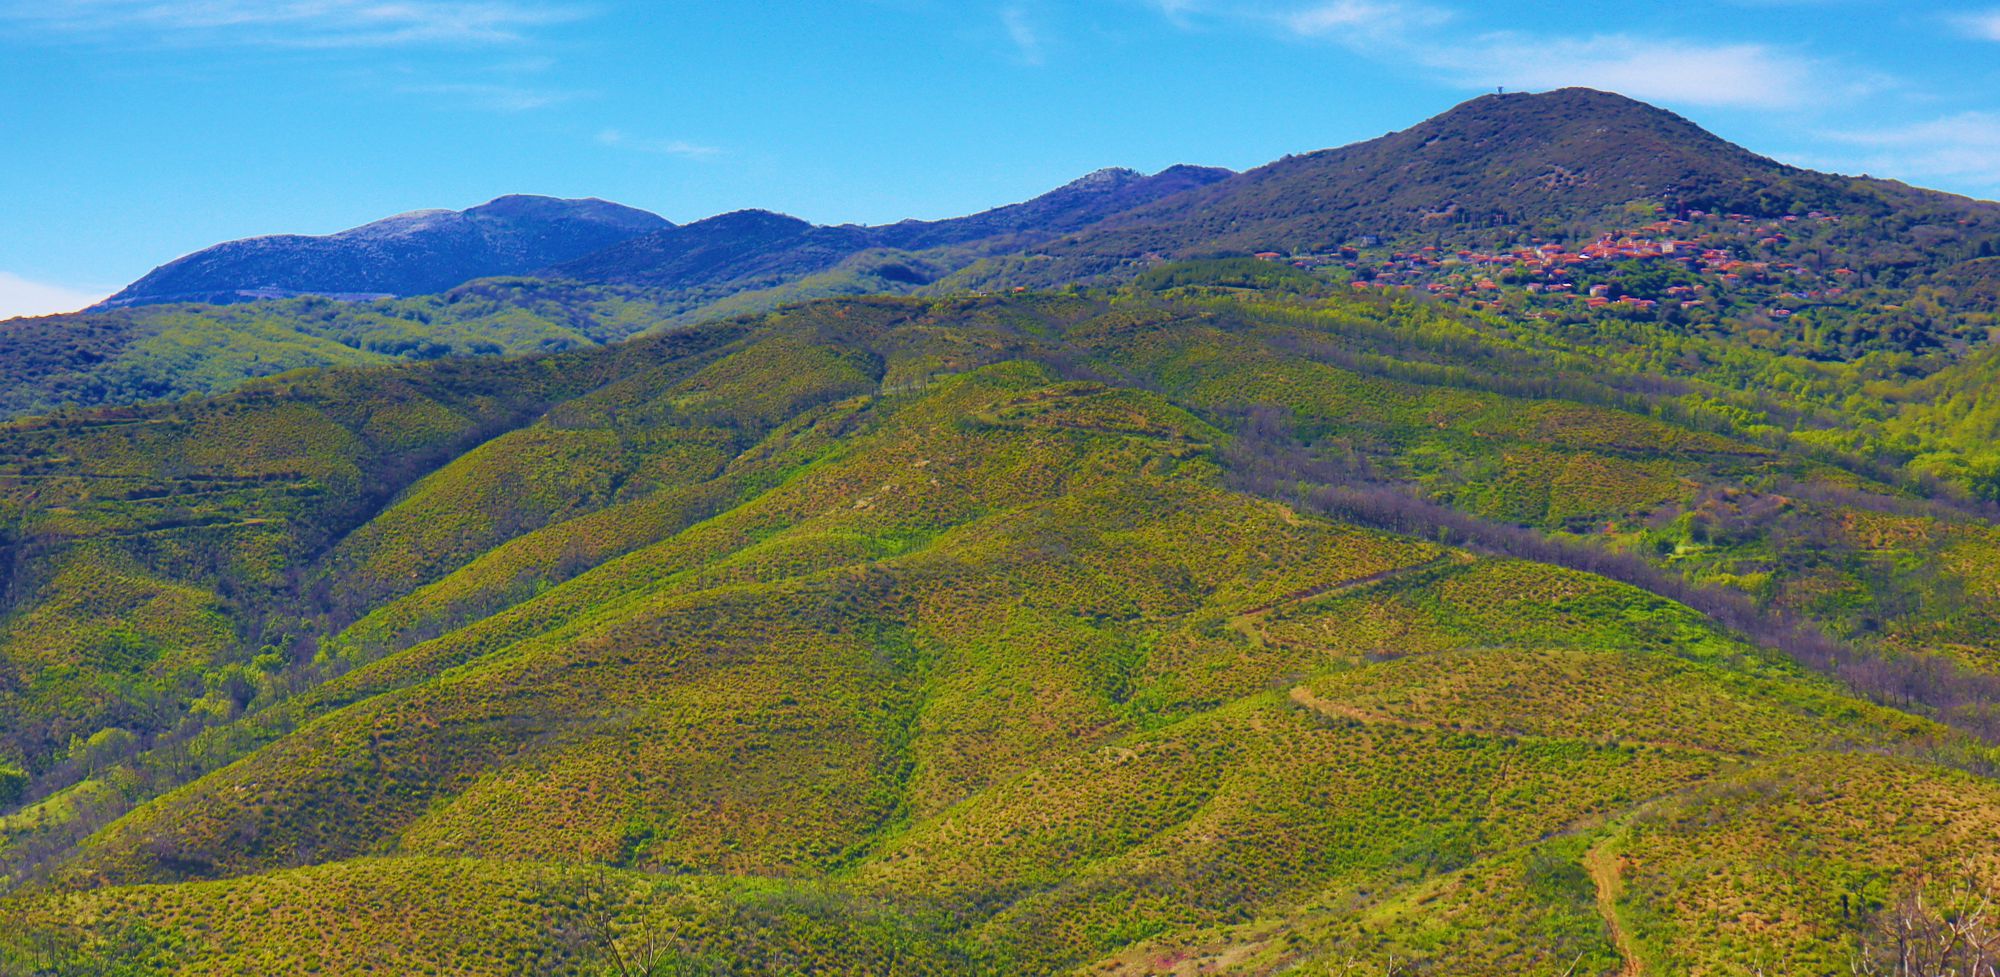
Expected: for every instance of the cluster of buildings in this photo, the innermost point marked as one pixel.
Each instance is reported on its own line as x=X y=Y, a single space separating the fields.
x=1723 y=251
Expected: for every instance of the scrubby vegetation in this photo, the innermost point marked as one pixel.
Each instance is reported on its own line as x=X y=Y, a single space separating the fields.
x=1248 y=615
x=166 y=352
x=1217 y=624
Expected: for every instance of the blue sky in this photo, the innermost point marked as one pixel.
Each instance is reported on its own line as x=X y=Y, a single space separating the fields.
x=138 y=130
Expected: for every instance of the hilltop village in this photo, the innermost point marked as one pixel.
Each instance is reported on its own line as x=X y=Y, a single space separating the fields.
x=1687 y=263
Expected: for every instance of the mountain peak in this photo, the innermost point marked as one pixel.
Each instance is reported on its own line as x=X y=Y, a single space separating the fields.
x=406 y=223
x=529 y=207
x=1572 y=96
x=754 y=218
x=1488 y=166
x=1566 y=109
x=1108 y=178
x=1190 y=171
x=407 y=254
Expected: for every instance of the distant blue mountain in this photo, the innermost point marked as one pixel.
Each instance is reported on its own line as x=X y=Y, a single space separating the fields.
x=410 y=254
x=592 y=240
x=753 y=248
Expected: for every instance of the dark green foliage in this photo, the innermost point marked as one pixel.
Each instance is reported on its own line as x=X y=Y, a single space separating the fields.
x=1251 y=273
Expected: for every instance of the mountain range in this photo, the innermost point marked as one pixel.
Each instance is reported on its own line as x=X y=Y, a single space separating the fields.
x=595 y=241
x=1498 y=168
x=1496 y=173
x=1548 y=540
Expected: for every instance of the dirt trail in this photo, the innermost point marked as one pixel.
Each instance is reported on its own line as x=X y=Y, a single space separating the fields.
x=161 y=530
x=1304 y=696
x=1245 y=623
x=1607 y=871
x=1326 y=707
x=1354 y=583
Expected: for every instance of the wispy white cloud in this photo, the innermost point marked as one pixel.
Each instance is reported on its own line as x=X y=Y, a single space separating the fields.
x=21 y=297
x=1984 y=26
x=1360 y=20
x=1655 y=69
x=493 y=97
x=373 y=28
x=1326 y=19
x=293 y=23
x=1181 y=13
x=617 y=139
x=1022 y=33
x=1439 y=41
x=1963 y=149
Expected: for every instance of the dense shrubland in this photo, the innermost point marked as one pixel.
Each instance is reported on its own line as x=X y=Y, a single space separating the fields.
x=158 y=353
x=1213 y=622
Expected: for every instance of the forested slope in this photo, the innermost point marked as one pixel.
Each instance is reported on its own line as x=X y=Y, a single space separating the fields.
x=1185 y=628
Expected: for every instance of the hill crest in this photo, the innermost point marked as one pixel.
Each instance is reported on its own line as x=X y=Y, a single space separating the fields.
x=411 y=253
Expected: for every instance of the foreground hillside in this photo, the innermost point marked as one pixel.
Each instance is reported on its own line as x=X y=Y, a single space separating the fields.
x=1184 y=629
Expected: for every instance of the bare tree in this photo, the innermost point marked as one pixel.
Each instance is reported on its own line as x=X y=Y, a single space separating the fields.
x=1937 y=929
x=602 y=931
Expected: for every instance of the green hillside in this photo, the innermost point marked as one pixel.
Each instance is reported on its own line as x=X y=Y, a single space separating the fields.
x=1217 y=624
x=151 y=353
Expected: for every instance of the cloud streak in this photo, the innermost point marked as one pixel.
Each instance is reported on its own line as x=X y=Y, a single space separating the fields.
x=1021 y=32
x=1690 y=73
x=1359 y=21
x=1436 y=42
x=293 y=23
x=491 y=97
x=681 y=149
x=1984 y=26
x=1963 y=148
